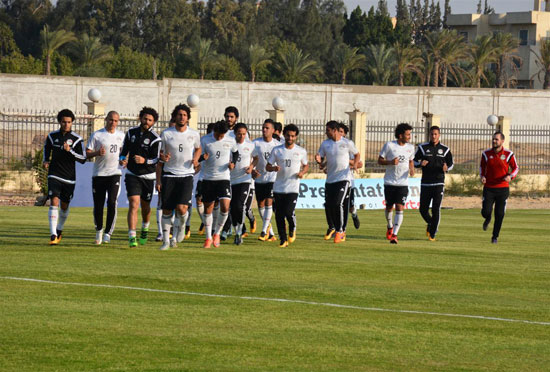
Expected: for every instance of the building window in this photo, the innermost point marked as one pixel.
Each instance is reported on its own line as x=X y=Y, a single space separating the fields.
x=523 y=37
x=464 y=34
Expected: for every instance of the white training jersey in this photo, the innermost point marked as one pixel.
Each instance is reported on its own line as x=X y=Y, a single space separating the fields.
x=181 y=146
x=262 y=150
x=290 y=162
x=216 y=167
x=397 y=175
x=238 y=174
x=337 y=155
x=106 y=165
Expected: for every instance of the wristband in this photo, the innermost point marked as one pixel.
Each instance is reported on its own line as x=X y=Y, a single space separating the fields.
x=122 y=158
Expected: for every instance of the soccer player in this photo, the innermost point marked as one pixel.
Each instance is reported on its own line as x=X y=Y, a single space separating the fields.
x=337 y=152
x=353 y=190
x=290 y=163
x=263 y=179
x=62 y=149
x=198 y=187
x=278 y=128
x=435 y=159
x=398 y=157
x=172 y=123
x=498 y=168
x=140 y=153
x=220 y=154
x=105 y=144
x=180 y=151
x=241 y=180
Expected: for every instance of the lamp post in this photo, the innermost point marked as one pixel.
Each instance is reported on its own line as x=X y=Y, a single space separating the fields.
x=278 y=112
x=193 y=103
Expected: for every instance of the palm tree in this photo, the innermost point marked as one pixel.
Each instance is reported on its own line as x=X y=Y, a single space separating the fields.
x=294 y=65
x=507 y=45
x=89 y=51
x=53 y=40
x=452 y=53
x=481 y=53
x=428 y=66
x=435 y=43
x=542 y=61
x=258 y=58
x=204 y=55
x=347 y=59
x=407 y=59
x=380 y=63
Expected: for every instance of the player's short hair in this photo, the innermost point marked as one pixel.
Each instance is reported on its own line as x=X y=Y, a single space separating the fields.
x=221 y=127
x=401 y=129
x=183 y=107
x=333 y=124
x=435 y=127
x=291 y=128
x=498 y=132
x=111 y=113
x=149 y=111
x=239 y=126
x=277 y=126
x=232 y=109
x=344 y=127
x=65 y=113
x=210 y=128
x=269 y=121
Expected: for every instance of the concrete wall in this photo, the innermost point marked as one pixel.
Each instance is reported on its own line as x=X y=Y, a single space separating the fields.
x=302 y=101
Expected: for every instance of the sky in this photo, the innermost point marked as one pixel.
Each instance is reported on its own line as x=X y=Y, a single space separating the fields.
x=457 y=6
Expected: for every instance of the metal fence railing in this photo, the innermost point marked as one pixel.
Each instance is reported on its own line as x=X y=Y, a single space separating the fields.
x=22 y=137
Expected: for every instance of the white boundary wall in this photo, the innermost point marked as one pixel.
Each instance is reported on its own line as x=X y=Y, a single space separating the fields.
x=302 y=101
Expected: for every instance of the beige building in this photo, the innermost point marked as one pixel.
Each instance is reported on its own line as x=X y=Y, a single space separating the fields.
x=529 y=27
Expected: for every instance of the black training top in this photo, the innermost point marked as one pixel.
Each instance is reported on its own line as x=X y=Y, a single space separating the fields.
x=432 y=173
x=62 y=163
x=145 y=144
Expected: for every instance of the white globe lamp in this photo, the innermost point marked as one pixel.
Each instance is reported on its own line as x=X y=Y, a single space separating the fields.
x=278 y=103
x=94 y=95
x=492 y=120
x=193 y=100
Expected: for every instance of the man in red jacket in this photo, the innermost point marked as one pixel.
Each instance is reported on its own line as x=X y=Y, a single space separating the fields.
x=498 y=167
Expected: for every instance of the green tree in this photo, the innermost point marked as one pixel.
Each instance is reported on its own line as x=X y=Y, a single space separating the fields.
x=7 y=42
x=408 y=59
x=481 y=53
x=380 y=63
x=51 y=41
x=435 y=43
x=89 y=54
x=17 y=63
x=166 y=27
x=446 y=12
x=454 y=50
x=129 y=64
x=258 y=58
x=347 y=59
x=542 y=61
x=204 y=55
x=507 y=62
x=355 y=30
x=227 y=68
x=294 y=65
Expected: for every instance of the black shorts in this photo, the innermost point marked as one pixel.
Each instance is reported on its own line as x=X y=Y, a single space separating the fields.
x=395 y=194
x=215 y=190
x=264 y=191
x=176 y=191
x=139 y=186
x=198 y=190
x=62 y=190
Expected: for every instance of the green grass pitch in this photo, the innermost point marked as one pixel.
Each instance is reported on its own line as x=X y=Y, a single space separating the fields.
x=61 y=327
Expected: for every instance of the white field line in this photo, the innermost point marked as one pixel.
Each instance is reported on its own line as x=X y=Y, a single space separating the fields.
x=326 y=304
